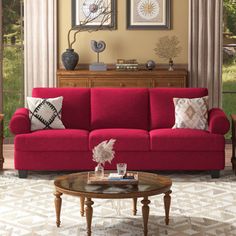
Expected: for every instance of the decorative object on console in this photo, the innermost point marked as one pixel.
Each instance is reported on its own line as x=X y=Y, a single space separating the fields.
x=101 y=153
x=45 y=113
x=94 y=11
x=168 y=48
x=98 y=47
x=70 y=59
x=148 y=14
x=191 y=113
x=123 y=64
x=150 y=65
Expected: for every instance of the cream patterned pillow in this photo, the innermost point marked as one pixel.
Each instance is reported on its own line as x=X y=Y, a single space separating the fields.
x=191 y=113
x=45 y=113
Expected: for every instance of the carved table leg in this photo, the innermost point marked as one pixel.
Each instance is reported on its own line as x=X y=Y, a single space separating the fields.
x=82 y=206
x=167 y=200
x=89 y=215
x=145 y=211
x=57 y=202
x=134 y=206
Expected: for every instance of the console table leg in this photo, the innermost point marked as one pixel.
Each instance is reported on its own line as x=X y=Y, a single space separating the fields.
x=57 y=202
x=134 y=206
x=145 y=211
x=89 y=214
x=82 y=205
x=167 y=200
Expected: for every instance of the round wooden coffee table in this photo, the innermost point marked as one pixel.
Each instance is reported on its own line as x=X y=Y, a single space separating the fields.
x=149 y=184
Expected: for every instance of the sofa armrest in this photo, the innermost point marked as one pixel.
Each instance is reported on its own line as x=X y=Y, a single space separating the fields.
x=20 y=122
x=218 y=121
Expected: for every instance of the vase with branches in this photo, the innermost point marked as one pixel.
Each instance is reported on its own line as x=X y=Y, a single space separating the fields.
x=97 y=10
x=168 y=48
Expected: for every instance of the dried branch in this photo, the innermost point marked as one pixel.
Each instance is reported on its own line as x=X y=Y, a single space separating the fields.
x=105 y=14
x=168 y=47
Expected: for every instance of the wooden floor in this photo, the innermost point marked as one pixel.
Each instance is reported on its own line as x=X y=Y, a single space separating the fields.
x=8 y=154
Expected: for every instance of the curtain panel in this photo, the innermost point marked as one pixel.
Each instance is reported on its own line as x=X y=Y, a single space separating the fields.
x=205 y=47
x=40 y=44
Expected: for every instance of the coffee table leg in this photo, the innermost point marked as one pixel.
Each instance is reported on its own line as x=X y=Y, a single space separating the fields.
x=134 y=206
x=82 y=205
x=89 y=214
x=167 y=200
x=57 y=202
x=145 y=211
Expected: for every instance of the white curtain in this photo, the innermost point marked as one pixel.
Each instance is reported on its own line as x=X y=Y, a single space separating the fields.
x=40 y=43
x=205 y=47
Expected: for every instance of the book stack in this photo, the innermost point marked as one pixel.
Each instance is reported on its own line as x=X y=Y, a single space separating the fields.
x=126 y=64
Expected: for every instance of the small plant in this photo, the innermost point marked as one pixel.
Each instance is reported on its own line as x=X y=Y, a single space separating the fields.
x=168 y=48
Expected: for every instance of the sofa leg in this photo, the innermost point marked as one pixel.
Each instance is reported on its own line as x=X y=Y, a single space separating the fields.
x=215 y=174
x=23 y=174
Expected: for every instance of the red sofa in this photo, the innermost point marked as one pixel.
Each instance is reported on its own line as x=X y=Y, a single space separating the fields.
x=139 y=119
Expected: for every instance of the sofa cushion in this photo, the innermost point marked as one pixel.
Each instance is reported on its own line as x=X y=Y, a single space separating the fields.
x=120 y=108
x=75 y=108
x=162 y=105
x=126 y=139
x=53 y=140
x=185 y=140
x=45 y=113
x=191 y=113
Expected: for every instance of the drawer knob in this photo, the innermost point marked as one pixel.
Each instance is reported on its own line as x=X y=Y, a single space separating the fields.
x=169 y=84
x=122 y=85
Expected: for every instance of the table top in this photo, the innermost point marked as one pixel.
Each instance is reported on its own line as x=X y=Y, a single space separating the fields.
x=149 y=184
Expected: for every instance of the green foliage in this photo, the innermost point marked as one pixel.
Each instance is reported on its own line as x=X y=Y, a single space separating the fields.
x=230 y=15
x=11 y=19
x=12 y=83
x=229 y=84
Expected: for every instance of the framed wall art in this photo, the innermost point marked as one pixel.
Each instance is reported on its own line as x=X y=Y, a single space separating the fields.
x=148 y=14
x=99 y=12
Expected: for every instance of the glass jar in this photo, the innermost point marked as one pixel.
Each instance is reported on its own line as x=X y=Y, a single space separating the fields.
x=99 y=171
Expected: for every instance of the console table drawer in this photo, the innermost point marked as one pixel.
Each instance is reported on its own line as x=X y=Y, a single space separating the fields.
x=65 y=82
x=180 y=82
x=120 y=83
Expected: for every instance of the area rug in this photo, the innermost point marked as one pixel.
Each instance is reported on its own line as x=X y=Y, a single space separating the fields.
x=200 y=206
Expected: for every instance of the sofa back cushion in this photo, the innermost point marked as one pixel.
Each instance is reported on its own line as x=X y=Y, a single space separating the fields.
x=120 y=108
x=75 y=106
x=162 y=106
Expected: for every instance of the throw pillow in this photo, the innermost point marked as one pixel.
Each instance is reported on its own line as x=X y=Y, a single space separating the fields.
x=191 y=113
x=45 y=113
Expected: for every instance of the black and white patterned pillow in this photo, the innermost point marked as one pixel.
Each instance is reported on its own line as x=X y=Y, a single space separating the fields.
x=45 y=113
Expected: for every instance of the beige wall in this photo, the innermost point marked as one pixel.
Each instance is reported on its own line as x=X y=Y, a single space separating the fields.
x=122 y=43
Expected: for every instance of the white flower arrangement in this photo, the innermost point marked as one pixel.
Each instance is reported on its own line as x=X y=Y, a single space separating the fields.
x=104 y=151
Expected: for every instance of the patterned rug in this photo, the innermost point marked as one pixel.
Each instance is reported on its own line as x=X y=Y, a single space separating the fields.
x=200 y=206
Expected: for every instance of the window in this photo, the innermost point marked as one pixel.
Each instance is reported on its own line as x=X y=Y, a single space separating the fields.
x=229 y=59
x=13 y=59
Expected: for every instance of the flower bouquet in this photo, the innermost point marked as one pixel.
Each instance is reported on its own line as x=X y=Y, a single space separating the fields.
x=101 y=153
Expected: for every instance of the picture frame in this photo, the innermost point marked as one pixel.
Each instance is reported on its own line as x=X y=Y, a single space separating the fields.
x=148 y=14
x=81 y=8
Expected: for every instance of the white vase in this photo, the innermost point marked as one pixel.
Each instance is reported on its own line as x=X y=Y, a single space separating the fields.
x=99 y=171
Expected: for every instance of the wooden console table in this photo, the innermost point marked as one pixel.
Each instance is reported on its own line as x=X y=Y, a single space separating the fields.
x=233 y=126
x=1 y=141
x=113 y=78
